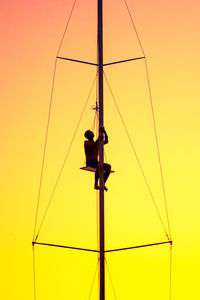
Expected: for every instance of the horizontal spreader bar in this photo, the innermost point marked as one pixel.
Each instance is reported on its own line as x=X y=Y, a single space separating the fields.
x=93 y=64
x=67 y=247
x=122 y=61
x=141 y=246
x=91 y=250
x=79 y=61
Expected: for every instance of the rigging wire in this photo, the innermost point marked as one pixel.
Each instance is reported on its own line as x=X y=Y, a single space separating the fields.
x=111 y=279
x=63 y=164
x=97 y=197
x=34 y=277
x=136 y=156
x=44 y=152
x=130 y=15
x=170 y=279
x=93 y=280
x=48 y=121
x=158 y=150
x=105 y=156
x=66 y=27
x=94 y=107
x=97 y=193
x=97 y=211
x=94 y=122
x=93 y=128
x=153 y=116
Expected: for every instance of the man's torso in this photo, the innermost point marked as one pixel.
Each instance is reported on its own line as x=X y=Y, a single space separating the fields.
x=91 y=150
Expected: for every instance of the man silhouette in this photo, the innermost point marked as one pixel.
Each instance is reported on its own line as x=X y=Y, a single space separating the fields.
x=92 y=152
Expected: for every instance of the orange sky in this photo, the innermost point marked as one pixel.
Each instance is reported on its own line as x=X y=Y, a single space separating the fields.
x=30 y=35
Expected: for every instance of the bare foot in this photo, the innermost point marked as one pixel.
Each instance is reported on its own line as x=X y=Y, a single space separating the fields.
x=105 y=188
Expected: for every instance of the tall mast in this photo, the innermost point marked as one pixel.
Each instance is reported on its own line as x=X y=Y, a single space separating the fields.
x=101 y=150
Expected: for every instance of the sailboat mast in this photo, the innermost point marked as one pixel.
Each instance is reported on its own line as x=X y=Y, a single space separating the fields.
x=101 y=151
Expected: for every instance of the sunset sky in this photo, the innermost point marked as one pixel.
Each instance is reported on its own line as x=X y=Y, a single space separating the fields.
x=31 y=32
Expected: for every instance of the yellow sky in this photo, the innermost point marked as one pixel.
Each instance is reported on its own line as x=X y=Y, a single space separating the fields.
x=30 y=35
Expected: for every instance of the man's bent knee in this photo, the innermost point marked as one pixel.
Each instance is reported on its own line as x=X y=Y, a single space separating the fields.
x=108 y=167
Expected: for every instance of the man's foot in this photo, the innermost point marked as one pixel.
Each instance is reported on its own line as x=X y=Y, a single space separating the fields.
x=98 y=188
x=105 y=188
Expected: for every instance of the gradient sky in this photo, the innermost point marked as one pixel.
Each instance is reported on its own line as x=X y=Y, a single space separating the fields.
x=30 y=35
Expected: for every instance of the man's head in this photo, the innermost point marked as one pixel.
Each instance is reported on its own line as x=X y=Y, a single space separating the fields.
x=89 y=135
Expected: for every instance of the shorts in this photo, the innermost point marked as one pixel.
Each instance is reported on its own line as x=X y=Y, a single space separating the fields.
x=92 y=163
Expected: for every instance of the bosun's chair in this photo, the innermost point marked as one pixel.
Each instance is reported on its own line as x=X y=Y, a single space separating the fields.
x=91 y=169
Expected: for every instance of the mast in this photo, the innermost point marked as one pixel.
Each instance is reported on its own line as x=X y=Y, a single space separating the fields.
x=101 y=151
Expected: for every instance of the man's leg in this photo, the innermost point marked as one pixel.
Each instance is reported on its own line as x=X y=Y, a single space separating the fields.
x=107 y=169
x=96 y=186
